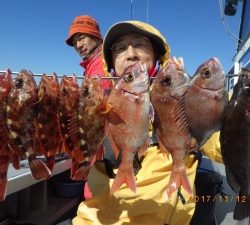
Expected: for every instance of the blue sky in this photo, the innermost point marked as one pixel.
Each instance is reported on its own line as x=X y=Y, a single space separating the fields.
x=33 y=32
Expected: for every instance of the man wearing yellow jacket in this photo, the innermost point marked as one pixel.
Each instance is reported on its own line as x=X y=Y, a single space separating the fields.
x=126 y=43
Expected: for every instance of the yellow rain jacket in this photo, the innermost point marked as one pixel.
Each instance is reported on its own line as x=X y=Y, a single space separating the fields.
x=150 y=204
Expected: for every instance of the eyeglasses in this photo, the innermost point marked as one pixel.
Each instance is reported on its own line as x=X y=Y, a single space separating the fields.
x=139 y=43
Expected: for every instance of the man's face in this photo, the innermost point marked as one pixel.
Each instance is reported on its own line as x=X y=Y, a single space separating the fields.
x=131 y=48
x=84 y=43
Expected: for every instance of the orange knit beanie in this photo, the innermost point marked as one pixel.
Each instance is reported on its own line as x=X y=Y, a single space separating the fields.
x=83 y=24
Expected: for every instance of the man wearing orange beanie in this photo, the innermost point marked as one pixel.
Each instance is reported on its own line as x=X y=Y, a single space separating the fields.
x=85 y=37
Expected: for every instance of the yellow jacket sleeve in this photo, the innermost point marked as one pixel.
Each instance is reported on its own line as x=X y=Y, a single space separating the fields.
x=149 y=205
x=212 y=148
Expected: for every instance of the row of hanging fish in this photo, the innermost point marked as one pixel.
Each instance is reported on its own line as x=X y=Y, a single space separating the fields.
x=44 y=120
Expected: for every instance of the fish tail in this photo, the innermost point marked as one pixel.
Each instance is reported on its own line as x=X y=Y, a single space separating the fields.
x=81 y=173
x=3 y=176
x=176 y=180
x=38 y=169
x=3 y=188
x=124 y=176
x=242 y=207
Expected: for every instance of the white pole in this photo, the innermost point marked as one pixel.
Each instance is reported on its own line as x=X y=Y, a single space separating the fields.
x=147 y=10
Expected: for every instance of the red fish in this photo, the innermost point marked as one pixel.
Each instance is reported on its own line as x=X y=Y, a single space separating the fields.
x=21 y=108
x=206 y=97
x=235 y=144
x=87 y=127
x=170 y=122
x=47 y=121
x=68 y=102
x=128 y=121
x=6 y=83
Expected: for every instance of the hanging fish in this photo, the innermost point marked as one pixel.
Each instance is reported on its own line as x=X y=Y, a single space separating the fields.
x=6 y=83
x=170 y=123
x=128 y=119
x=87 y=127
x=68 y=102
x=235 y=144
x=21 y=109
x=47 y=120
x=205 y=100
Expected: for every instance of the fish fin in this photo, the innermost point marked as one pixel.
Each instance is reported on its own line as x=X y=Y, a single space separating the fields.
x=124 y=176
x=144 y=147
x=104 y=107
x=114 y=117
x=113 y=145
x=39 y=170
x=73 y=129
x=151 y=113
x=40 y=148
x=16 y=161
x=242 y=207
x=64 y=148
x=100 y=153
x=77 y=155
x=162 y=147
x=15 y=156
x=3 y=188
x=81 y=173
x=4 y=164
x=193 y=145
x=50 y=162
x=178 y=179
x=231 y=180
x=74 y=167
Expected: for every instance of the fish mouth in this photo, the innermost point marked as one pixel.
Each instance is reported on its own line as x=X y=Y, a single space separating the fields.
x=135 y=93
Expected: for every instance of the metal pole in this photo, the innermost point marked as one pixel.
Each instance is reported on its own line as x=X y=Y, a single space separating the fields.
x=59 y=76
x=147 y=10
x=82 y=77
x=131 y=9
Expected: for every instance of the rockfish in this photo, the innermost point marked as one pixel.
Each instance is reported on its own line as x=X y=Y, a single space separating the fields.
x=6 y=83
x=235 y=144
x=87 y=127
x=170 y=123
x=205 y=100
x=128 y=121
x=47 y=121
x=21 y=109
x=68 y=102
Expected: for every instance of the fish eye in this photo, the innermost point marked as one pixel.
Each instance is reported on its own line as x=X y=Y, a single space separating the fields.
x=85 y=91
x=206 y=73
x=19 y=83
x=246 y=89
x=129 y=77
x=166 y=81
x=64 y=91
